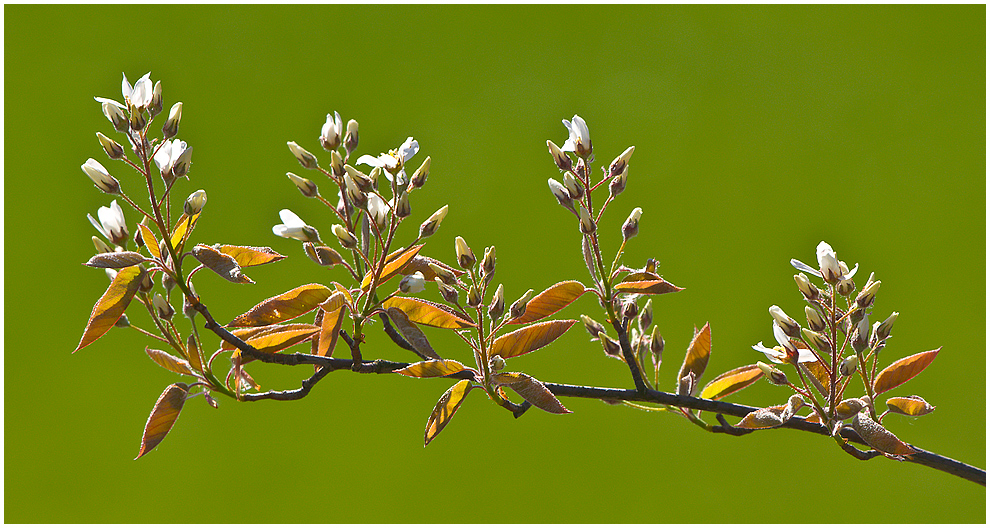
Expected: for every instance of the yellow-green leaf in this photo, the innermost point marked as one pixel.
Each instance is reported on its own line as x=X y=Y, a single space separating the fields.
x=730 y=382
x=150 y=241
x=550 y=301
x=163 y=416
x=222 y=264
x=531 y=389
x=289 y=305
x=902 y=370
x=169 y=362
x=112 y=304
x=445 y=409
x=413 y=335
x=648 y=287
x=268 y=338
x=432 y=368
x=697 y=354
x=392 y=266
x=181 y=227
x=530 y=338
x=910 y=405
x=250 y=255
x=427 y=313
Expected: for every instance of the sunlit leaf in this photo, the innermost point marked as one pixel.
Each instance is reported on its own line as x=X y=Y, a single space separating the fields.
x=169 y=362
x=289 y=305
x=427 y=313
x=530 y=338
x=902 y=370
x=433 y=368
x=322 y=255
x=445 y=409
x=194 y=355
x=879 y=438
x=411 y=332
x=181 y=226
x=347 y=293
x=250 y=255
x=649 y=287
x=763 y=418
x=697 y=354
x=910 y=405
x=162 y=417
x=394 y=263
x=330 y=330
x=532 y=390
x=732 y=381
x=817 y=371
x=550 y=301
x=639 y=276
x=422 y=264
x=283 y=338
x=116 y=260
x=150 y=241
x=112 y=304
x=222 y=264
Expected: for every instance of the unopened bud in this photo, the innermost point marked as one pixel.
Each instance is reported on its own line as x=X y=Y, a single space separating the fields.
x=574 y=187
x=815 y=321
x=619 y=164
x=631 y=227
x=336 y=164
x=816 y=340
x=305 y=186
x=883 y=330
x=164 y=309
x=101 y=246
x=861 y=335
x=869 y=293
x=345 y=237
x=116 y=117
x=587 y=224
x=497 y=307
x=194 y=203
x=171 y=126
x=772 y=374
x=496 y=363
x=646 y=315
x=809 y=290
x=111 y=147
x=593 y=327
x=418 y=178
x=138 y=120
x=685 y=385
x=561 y=194
x=322 y=255
x=562 y=160
x=147 y=283
x=155 y=106
x=630 y=309
x=103 y=180
x=402 y=208
x=656 y=345
x=611 y=346
x=618 y=184
x=443 y=274
x=123 y=322
x=361 y=180
x=305 y=159
x=354 y=194
x=430 y=226
x=412 y=283
x=786 y=323
x=519 y=307
x=449 y=293
x=473 y=297
x=488 y=262
x=351 y=137
x=849 y=365
x=465 y=257
x=330 y=133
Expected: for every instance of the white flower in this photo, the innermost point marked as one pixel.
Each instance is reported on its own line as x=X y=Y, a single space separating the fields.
x=414 y=283
x=393 y=160
x=98 y=173
x=140 y=94
x=173 y=158
x=377 y=209
x=786 y=351
x=830 y=268
x=332 y=129
x=111 y=224
x=579 y=139
x=293 y=227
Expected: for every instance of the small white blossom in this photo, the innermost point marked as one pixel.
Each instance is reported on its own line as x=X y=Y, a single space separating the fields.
x=579 y=139
x=293 y=227
x=377 y=209
x=173 y=158
x=111 y=224
x=140 y=94
x=331 y=132
x=830 y=268
x=780 y=354
x=393 y=160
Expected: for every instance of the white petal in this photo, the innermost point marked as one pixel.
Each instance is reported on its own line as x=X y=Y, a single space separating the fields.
x=806 y=356
x=801 y=266
x=771 y=354
x=408 y=149
x=111 y=101
x=581 y=128
x=780 y=336
x=368 y=159
x=97 y=225
x=125 y=87
x=280 y=229
x=849 y=275
x=164 y=156
x=290 y=219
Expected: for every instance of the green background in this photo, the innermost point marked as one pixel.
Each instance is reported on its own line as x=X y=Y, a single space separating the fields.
x=759 y=131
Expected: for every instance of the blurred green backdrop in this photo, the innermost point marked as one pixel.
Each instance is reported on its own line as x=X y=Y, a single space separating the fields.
x=759 y=131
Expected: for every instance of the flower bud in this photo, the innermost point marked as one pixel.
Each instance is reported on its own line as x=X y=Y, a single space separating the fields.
x=137 y=120
x=488 y=262
x=449 y=293
x=336 y=164
x=629 y=309
x=869 y=293
x=882 y=331
x=788 y=325
x=155 y=106
x=656 y=345
x=686 y=385
x=849 y=365
x=809 y=290
x=587 y=224
x=171 y=126
x=412 y=283
x=646 y=315
x=561 y=194
x=351 y=137
x=361 y=180
x=861 y=335
x=443 y=274
x=306 y=187
x=146 y=283
x=116 y=117
x=305 y=159
x=330 y=133
x=845 y=287
x=473 y=297
x=519 y=307
x=611 y=346
x=497 y=307
x=345 y=237
x=101 y=246
x=574 y=187
x=354 y=194
x=562 y=160
x=631 y=227
x=430 y=226
x=111 y=147
x=322 y=255
x=194 y=203
x=619 y=164
x=828 y=264
x=815 y=321
x=816 y=340
x=774 y=375
x=465 y=257
x=618 y=184
x=402 y=208
x=419 y=177
x=593 y=327
x=164 y=309
x=103 y=180
x=123 y=322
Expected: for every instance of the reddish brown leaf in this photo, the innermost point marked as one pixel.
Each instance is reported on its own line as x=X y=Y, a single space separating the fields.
x=322 y=255
x=550 y=301
x=433 y=368
x=902 y=370
x=411 y=332
x=445 y=409
x=648 y=287
x=530 y=338
x=879 y=438
x=422 y=264
x=763 y=418
x=119 y=259
x=532 y=390
x=194 y=355
x=330 y=330
x=289 y=305
x=427 y=313
x=272 y=338
x=697 y=354
x=910 y=406
x=222 y=264
x=394 y=263
x=250 y=255
x=112 y=304
x=169 y=362
x=162 y=417
x=732 y=381
x=639 y=276
x=150 y=241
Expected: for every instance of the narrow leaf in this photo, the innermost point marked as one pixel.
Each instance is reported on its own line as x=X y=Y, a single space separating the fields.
x=392 y=266
x=879 y=438
x=150 y=241
x=589 y=259
x=111 y=306
x=194 y=355
x=732 y=381
x=322 y=255
x=902 y=370
x=411 y=332
x=224 y=265
x=697 y=354
x=250 y=255
x=763 y=418
x=649 y=287
x=445 y=409
x=162 y=417
x=169 y=362
x=182 y=225
x=427 y=313
x=910 y=406
x=550 y=301
x=119 y=259
x=530 y=338
x=422 y=264
x=288 y=305
x=330 y=331
x=531 y=389
x=433 y=368
x=639 y=276
x=284 y=338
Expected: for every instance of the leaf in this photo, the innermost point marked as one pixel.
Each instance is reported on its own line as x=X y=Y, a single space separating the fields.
x=531 y=389
x=879 y=438
x=322 y=255
x=589 y=259
x=445 y=409
x=817 y=371
x=273 y=338
x=550 y=301
x=427 y=313
x=112 y=304
x=330 y=330
x=392 y=267
x=163 y=416
x=530 y=338
x=422 y=264
x=648 y=287
x=119 y=259
x=411 y=332
x=169 y=362
x=224 y=265
x=902 y=370
x=638 y=276
x=697 y=354
x=910 y=406
x=250 y=255
x=150 y=241
x=194 y=355
x=288 y=305
x=730 y=382
x=433 y=368
x=763 y=418
x=182 y=225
